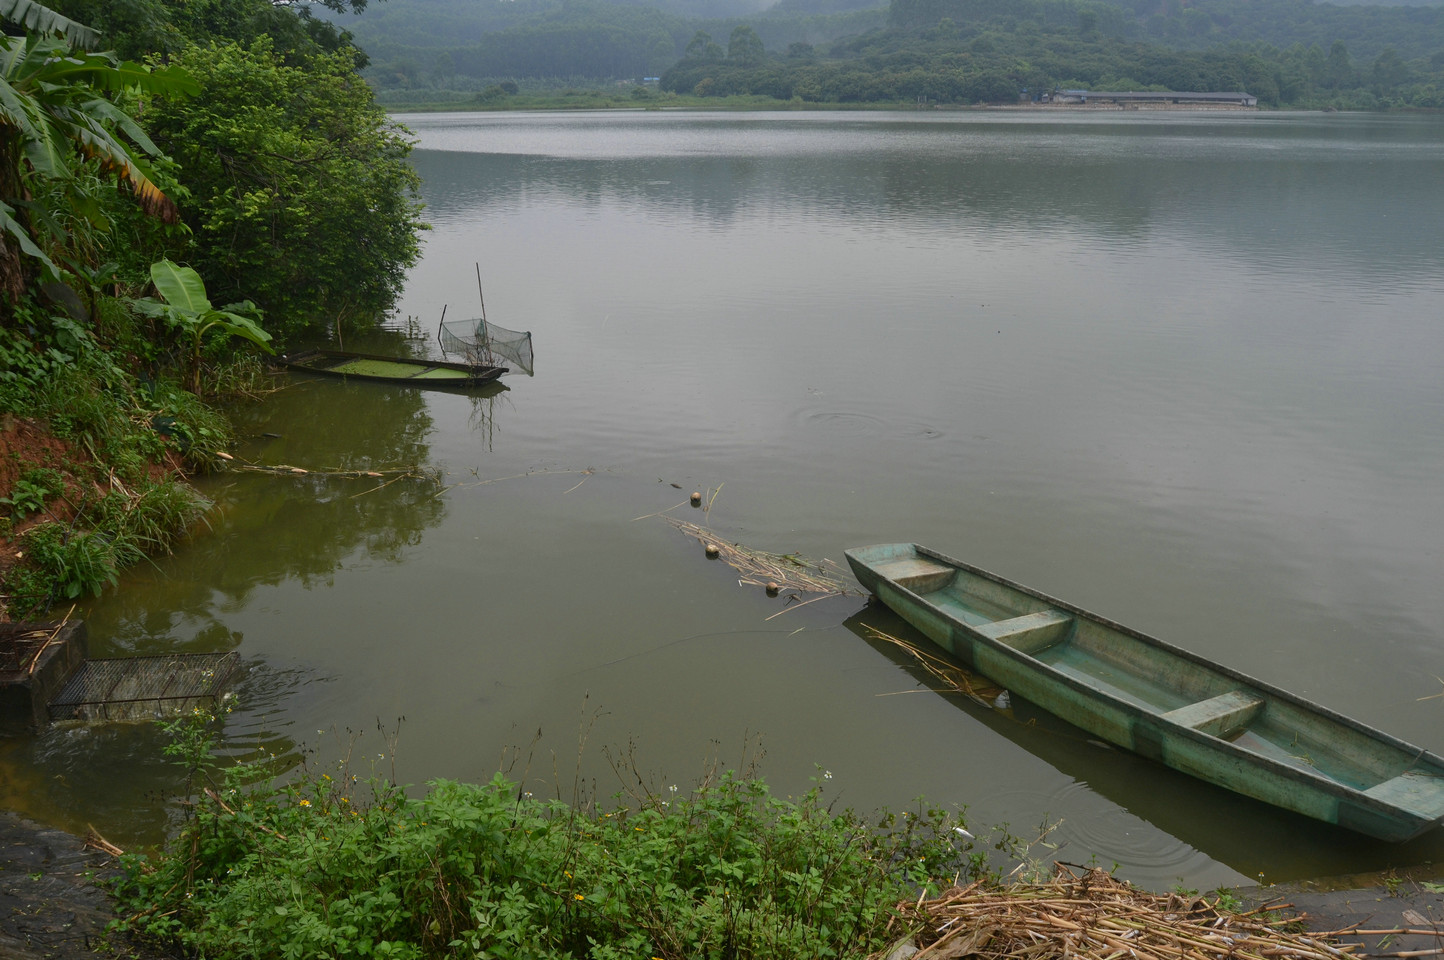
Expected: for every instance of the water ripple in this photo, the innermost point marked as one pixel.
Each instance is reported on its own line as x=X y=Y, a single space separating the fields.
x=1095 y=825
x=857 y=423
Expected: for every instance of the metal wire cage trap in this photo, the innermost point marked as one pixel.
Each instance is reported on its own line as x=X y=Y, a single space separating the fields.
x=483 y=343
x=144 y=688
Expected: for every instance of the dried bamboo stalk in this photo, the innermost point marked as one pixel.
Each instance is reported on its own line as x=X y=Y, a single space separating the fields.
x=1094 y=916
x=950 y=674
x=35 y=660
x=94 y=841
x=285 y=469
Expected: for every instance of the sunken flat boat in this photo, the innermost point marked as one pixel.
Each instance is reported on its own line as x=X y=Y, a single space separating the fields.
x=1159 y=701
x=367 y=366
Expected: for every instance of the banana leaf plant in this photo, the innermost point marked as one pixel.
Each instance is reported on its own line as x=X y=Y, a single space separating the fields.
x=185 y=307
x=55 y=114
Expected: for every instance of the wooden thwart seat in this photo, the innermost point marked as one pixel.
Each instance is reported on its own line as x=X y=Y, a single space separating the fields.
x=1030 y=633
x=1413 y=789
x=918 y=574
x=1222 y=716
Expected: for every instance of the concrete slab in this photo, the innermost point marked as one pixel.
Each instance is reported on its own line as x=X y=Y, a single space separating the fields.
x=1406 y=900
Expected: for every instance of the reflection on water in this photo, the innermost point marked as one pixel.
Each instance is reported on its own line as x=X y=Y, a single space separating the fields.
x=1180 y=370
x=116 y=777
x=302 y=528
x=1234 y=186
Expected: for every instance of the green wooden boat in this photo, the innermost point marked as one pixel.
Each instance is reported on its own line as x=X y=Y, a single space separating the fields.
x=367 y=366
x=1164 y=703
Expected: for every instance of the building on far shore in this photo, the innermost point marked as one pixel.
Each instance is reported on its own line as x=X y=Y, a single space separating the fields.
x=1170 y=98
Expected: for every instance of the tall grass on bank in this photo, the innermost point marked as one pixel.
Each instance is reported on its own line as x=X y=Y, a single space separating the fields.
x=324 y=866
x=115 y=496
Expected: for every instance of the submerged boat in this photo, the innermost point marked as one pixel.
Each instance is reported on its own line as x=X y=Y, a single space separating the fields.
x=366 y=366
x=1159 y=701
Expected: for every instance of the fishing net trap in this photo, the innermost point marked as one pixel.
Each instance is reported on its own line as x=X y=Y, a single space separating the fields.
x=481 y=342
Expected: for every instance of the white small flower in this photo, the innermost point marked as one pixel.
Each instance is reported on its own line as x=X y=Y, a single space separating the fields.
x=827 y=774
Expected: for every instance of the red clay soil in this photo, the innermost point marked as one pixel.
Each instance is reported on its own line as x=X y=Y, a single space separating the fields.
x=24 y=446
x=28 y=444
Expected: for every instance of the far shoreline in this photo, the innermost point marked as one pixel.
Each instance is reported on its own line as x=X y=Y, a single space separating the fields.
x=592 y=104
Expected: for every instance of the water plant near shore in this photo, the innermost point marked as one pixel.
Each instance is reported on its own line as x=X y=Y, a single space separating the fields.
x=323 y=865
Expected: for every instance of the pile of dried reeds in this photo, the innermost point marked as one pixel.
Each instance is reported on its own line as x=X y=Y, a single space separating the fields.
x=784 y=571
x=1091 y=915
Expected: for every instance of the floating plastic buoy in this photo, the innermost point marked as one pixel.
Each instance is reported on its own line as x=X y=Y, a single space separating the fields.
x=712 y=552
x=696 y=498
x=772 y=589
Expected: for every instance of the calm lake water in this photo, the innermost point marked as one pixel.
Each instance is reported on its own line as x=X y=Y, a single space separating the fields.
x=1179 y=369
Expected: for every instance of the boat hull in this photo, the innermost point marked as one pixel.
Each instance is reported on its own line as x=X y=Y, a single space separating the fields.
x=383 y=369
x=1160 y=701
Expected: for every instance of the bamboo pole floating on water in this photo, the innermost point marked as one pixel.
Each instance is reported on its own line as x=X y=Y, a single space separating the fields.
x=287 y=470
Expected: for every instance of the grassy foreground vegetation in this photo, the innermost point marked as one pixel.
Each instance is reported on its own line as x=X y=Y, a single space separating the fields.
x=332 y=866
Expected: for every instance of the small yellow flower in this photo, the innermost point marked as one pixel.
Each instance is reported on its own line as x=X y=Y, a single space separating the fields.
x=579 y=896
x=305 y=803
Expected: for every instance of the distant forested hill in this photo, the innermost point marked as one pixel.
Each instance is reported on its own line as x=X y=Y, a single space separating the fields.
x=437 y=41
x=1287 y=52
x=1413 y=31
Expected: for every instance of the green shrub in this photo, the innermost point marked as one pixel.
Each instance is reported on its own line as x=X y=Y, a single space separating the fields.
x=148 y=518
x=24 y=365
x=108 y=533
x=307 y=869
x=301 y=197
x=33 y=490
x=75 y=562
x=194 y=428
